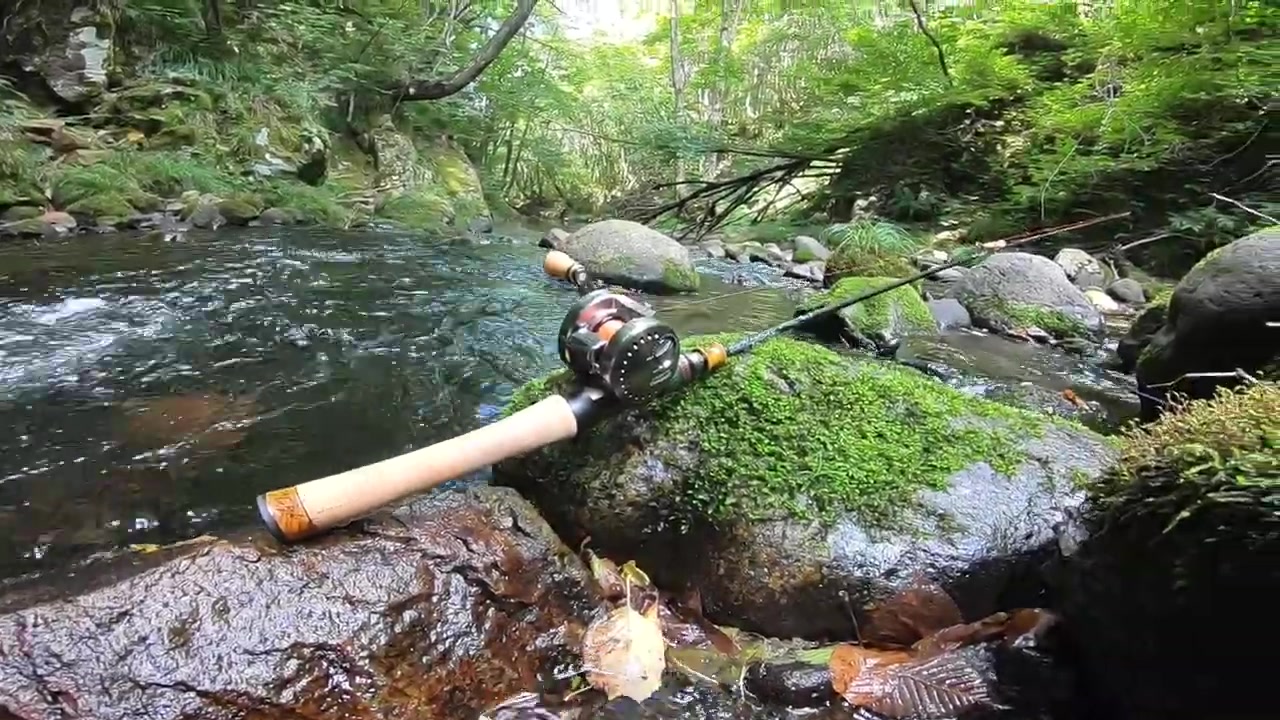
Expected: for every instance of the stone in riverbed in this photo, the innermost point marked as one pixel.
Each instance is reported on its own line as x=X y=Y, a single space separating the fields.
x=1081 y=268
x=441 y=609
x=797 y=474
x=949 y=314
x=1170 y=580
x=627 y=253
x=1014 y=291
x=880 y=322
x=1127 y=290
x=1216 y=323
x=809 y=249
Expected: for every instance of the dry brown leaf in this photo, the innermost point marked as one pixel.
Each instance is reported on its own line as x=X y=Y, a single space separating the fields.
x=607 y=576
x=1028 y=626
x=989 y=628
x=1070 y=396
x=929 y=688
x=849 y=662
x=914 y=613
x=624 y=653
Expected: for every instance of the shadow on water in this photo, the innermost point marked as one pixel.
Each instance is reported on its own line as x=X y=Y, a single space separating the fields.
x=152 y=389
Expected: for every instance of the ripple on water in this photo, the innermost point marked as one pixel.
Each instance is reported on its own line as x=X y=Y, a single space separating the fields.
x=154 y=388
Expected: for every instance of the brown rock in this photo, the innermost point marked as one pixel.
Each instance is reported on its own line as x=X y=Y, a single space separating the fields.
x=439 y=610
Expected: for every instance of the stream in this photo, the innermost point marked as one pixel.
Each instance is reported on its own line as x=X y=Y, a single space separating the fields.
x=154 y=388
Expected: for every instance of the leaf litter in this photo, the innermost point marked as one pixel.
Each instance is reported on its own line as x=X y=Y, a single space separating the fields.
x=913 y=662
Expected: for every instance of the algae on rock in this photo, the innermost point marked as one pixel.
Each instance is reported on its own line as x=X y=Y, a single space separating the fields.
x=799 y=471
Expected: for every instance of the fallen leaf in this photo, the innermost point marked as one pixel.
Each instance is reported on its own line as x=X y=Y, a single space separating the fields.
x=607 y=576
x=1028 y=626
x=849 y=662
x=684 y=625
x=1070 y=396
x=914 y=613
x=624 y=653
x=991 y=627
x=937 y=687
x=634 y=575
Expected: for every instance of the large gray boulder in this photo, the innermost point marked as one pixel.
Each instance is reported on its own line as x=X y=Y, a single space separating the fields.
x=1217 y=322
x=799 y=483
x=67 y=43
x=440 y=609
x=627 y=253
x=1010 y=291
x=1081 y=268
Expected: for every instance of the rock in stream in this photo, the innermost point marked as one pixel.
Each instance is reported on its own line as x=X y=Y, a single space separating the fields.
x=441 y=609
x=799 y=484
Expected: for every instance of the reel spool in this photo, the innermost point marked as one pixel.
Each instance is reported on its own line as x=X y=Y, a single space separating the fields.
x=618 y=342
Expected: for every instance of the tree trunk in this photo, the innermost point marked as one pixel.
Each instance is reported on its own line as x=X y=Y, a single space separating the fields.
x=730 y=13
x=677 y=88
x=436 y=89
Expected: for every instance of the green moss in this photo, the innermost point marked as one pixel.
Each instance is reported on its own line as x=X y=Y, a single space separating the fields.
x=237 y=212
x=1015 y=315
x=143 y=201
x=796 y=428
x=898 y=311
x=420 y=209
x=1219 y=456
x=112 y=205
x=310 y=204
x=680 y=277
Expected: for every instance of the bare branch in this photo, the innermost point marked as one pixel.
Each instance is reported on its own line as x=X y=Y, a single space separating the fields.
x=942 y=58
x=1245 y=208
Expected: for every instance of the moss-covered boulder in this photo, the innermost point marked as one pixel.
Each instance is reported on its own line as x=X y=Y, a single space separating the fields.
x=1174 y=583
x=880 y=322
x=100 y=206
x=240 y=209
x=1014 y=291
x=798 y=481
x=1216 y=323
x=1138 y=336
x=627 y=253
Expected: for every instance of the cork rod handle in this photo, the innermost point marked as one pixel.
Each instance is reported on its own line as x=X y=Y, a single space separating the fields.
x=301 y=511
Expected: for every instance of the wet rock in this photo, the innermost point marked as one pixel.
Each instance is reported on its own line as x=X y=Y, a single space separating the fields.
x=808 y=249
x=553 y=238
x=879 y=322
x=930 y=259
x=949 y=314
x=110 y=207
x=775 y=255
x=276 y=216
x=797 y=483
x=20 y=212
x=1127 y=290
x=747 y=252
x=950 y=236
x=441 y=609
x=480 y=225
x=713 y=248
x=793 y=684
x=813 y=271
x=206 y=215
x=1216 y=322
x=1129 y=347
x=32 y=228
x=315 y=165
x=60 y=220
x=1172 y=573
x=75 y=65
x=1010 y=291
x=1081 y=268
x=238 y=211
x=633 y=255
x=1101 y=300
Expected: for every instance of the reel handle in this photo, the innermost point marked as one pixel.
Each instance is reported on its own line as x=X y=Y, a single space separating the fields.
x=300 y=511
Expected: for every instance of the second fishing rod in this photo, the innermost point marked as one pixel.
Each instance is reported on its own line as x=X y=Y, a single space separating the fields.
x=618 y=352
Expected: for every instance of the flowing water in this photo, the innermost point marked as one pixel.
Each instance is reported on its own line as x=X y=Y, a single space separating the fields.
x=151 y=389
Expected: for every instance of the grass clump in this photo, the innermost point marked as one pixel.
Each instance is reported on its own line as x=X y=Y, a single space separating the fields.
x=869 y=248
x=795 y=428
x=1006 y=315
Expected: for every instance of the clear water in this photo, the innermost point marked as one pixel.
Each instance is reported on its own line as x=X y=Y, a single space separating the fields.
x=152 y=389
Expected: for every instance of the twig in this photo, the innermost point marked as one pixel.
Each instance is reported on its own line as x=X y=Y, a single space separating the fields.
x=1144 y=241
x=1245 y=208
x=1237 y=373
x=942 y=58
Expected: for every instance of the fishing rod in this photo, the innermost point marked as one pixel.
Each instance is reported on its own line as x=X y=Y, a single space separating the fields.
x=618 y=353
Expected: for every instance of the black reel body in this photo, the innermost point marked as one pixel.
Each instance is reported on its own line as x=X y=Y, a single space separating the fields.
x=617 y=342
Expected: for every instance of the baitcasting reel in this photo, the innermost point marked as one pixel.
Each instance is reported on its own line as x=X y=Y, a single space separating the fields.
x=618 y=341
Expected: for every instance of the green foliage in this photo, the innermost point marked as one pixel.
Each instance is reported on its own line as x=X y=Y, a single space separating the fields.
x=869 y=247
